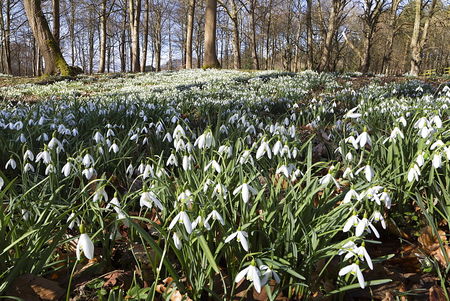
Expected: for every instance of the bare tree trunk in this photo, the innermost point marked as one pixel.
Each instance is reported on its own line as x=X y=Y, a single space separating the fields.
x=56 y=22
x=54 y=60
x=190 y=33
x=392 y=28
x=236 y=38
x=253 y=35
x=145 y=34
x=309 y=38
x=134 y=7
x=72 y=32
x=6 y=31
x=210 y=60
x=418 y=40
x=122 y=46
x=170 y=63
x=103 y=33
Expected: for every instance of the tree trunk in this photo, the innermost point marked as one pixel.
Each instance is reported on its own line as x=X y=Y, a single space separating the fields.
x=123 y=41
x=190 y=33
x=54 y=60
x=330 y=32
x=56 y=22
x=6 y=31
x=253 y=35
x=134 y=7
x=145 y=35
x=392 y=28
x=309 y=33
x=72 y=32
x=103 y=19
x=236 y=38
x=210 y=60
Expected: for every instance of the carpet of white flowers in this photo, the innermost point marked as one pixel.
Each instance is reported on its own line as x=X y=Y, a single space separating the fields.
x=228 y=180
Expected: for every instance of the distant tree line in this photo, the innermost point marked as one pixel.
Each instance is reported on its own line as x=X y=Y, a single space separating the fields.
x=370 y=36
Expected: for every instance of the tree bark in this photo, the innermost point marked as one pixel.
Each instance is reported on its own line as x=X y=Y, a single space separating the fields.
x=54 y=60
x=134 y=7
x=103 y=19
x=190 y=33
x=56 y=20
x=309 y=33
x=253 y=35
x=392 y=29
x=210 y=59
x=145 y=35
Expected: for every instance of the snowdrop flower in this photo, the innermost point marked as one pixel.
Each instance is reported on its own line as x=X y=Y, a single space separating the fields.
x=355 y=270
x=186 y=198
x=252 y=274
x=327 y=179
x=215 y=216
x=246 y=157
x=88 y=160
x=25 y=214
x=205 y=140
x=396 y=132
x=88 y=173
x=402 y=120
x=177 y=240
x=437 y=160
x=28 y=167
x=66 y=169
x=385 y=197
x=178 y=132
x=148 y=198
x=352 y=140
x=54 y=142
x=363 y=139
x=353 y=221
x=114 y=147
x=200 y=220
x=115 y=204
x=182 y=218
x=413 y=173
x=421 y=123
x=2 y=182
x=214 y=165
x=219 y=189
x=241 y=237
x=348 y=173
x=50 y=169
x=369 y=173
x=283 y=170
x=84 y=244
x=420 y=160
x=28 y=155
x=172 y=160
x=437 y=144
x=100 y=194
x=352 y=114
x=437 y=121
x=72 y=220
x=98 y=137
x=351 y=194
x=277 y=147
x=187 y=163
x=364 y=224
x=246 y=191
x=268 y=273
x=349 y=156
x=263 y=149
x=11 y=163
x=378 y=217
x=225 y=149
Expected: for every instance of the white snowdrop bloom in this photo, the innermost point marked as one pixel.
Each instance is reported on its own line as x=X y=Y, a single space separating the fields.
x=28 y=167
x=437 y=160
x=219 y=190
x=268 y=273
x=72 y=220
x=179 y=145
x=349 y=156
x=200 y=220
x=28 y=155
x=114 y=148
x=378 y=217
x=396 y=132
x=295 y=152
x=50 y=169
x=363 y=139
x=353 y=221
x=355 y=270
x=26 y=214
x=413 y=173
x=282 y=170
x=168 y=137
x=100 y=194
x=177 y=240
x=252 y=274
x=425 y=132
x=11 y=163
x=349 y=246
x=365 y=224
x=178 y=132
x=42 y=137
x=115 y=204
x=88 y=160
x=186 y=198
x=327 y=179
x=402 y=121
x=420 y=160
x=148 y=198
x=277 y=148
x=55 y=143
x=187 y=162
x=385 y=197
x=130 y=170
x=215 y=216
x=205 y=140
x=352 y=140
x=264 y=148
x=352 y=114
x=214 y=165
x=110 y=133
x=348 y=173
x=148 y=172
x=172 y=160
x=246 y=191
x=421 y=123
x=88 y=173
x=98 y=137
x=85 y=244
x=437 y=121
x=225 y=149
x=351 y=194
x=2 y=183
x=241 y=237
x=182 y=218
x=44 y=156
x=223 y=129
x=246 y=157
x=369 y=173
x=66 y=169
x=134 y=137
x=437 y=144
